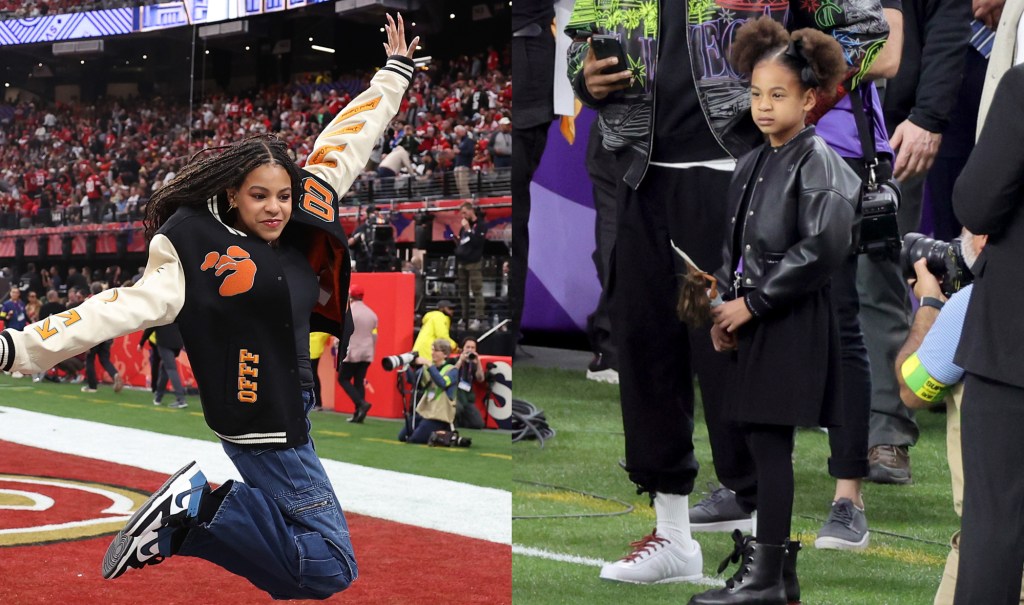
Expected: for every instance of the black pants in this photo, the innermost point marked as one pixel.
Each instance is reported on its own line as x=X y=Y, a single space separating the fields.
x=772 y=448
x=849 y=441
x=527 y=149
x=605 y=174
x=352 y=378
x=102 y=351
x=991 y=549
x=314 y=364
x=657 y=354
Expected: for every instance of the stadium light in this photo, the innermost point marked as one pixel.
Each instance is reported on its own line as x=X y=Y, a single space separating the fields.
x=246 y=48
x=451 y=15
x=322 y=49
x=144 y=57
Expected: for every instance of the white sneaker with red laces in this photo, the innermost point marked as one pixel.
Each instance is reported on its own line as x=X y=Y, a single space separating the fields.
x=657 y=560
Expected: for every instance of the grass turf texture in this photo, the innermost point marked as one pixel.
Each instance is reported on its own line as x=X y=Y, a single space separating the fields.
x=584 y=455
x=374 y=443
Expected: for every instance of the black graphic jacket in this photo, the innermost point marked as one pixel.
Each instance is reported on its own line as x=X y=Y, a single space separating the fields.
x=228 y=293
x=628 y=122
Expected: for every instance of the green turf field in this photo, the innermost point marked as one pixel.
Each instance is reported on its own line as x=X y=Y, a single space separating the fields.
x=487 y=463
x=910 y=526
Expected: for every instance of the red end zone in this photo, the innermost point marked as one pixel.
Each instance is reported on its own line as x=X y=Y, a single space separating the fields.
x=61 y=497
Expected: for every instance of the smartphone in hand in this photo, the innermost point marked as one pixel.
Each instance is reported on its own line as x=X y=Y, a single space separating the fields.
x=609 y=46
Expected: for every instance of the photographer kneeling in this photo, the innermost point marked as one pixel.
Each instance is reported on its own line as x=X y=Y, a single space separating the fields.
x=927 y=375
x=435 y=410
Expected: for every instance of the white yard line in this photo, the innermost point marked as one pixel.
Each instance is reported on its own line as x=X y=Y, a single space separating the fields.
x=448 y=506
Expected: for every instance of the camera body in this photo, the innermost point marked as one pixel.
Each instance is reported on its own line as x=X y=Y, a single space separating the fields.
x=448 y=439
x=879 y=231
x=945 y=260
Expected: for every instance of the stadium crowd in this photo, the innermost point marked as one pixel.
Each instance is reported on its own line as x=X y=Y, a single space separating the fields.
x=22 y=9
x=71 y=163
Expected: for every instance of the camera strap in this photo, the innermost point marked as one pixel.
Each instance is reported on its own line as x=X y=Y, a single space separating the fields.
x=865 y=132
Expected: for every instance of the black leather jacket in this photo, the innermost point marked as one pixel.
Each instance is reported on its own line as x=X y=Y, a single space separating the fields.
x=798 y=226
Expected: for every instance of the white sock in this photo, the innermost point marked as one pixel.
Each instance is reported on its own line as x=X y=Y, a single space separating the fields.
x=673 y=518
x=753 y=524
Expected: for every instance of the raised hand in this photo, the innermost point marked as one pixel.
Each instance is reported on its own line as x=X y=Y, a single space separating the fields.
x=396 y=38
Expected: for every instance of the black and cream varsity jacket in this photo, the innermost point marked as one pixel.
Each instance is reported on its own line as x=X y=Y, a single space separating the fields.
x=228 y=292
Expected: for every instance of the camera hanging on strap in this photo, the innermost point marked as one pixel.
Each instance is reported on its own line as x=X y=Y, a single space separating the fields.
x=879 y=235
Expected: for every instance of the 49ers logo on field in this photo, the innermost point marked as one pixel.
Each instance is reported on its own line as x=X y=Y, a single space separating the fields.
x=38 y=510
x=242 y=270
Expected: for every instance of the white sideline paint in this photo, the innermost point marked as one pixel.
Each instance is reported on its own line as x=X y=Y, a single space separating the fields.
x=540 y=553
x=467 y=510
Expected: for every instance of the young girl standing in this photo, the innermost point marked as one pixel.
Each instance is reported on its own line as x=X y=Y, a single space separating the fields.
x=791 y=203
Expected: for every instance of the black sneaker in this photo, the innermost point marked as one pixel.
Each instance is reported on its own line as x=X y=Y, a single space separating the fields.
x=719 y=511
x=845 y=529
x=144 y=540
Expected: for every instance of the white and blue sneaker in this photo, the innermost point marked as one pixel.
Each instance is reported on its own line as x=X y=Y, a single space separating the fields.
x=144 y=540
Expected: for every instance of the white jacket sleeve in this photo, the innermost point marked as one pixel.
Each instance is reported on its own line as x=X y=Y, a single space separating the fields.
x=343 y=148
x=154 y=301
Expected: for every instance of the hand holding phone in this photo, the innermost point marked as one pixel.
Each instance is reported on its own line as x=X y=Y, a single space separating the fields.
x=605 y=69
x=609 y=46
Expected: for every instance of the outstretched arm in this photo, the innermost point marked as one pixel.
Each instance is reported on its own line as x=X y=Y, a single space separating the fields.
x=155 y=300
x=344 y=146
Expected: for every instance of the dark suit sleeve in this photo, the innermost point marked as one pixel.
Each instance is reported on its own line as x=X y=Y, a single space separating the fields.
x=989 y=189
x=947 y=33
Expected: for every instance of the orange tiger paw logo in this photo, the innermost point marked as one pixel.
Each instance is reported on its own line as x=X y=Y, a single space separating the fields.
x=243 y=270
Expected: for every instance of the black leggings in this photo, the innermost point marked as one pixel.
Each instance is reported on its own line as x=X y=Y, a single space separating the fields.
x=772 y=448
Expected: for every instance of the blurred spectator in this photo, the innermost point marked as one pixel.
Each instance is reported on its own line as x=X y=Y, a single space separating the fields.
x=501 y=144
x=12 y=312
x=77 y=163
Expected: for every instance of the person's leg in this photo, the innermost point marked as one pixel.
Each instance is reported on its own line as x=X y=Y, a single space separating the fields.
x=314 y=363
x=476 y=286
x=655 y=386
x=654 y=377
x=605 y=174
x=848 y=443
x=359 y=370
x=762 y=558
x=154 y=367
x=885 y=320
x=90 y=368
x=424 y=429
x=462 y=282
x=104 y=355
x=160 y=382
x=467 y=415
x=169 y=370
x=283 y=529
x=346 y=376
x=991 y=551
x=527 y=149
x=772 y=447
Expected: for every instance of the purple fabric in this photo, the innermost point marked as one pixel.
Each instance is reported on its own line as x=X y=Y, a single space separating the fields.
x=563 y=170
x=839 y=129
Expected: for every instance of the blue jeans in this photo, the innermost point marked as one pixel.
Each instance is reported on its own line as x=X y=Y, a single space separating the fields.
x=282 y=529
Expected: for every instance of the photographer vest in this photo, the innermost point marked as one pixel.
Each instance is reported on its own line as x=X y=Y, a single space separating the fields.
x=435 y=404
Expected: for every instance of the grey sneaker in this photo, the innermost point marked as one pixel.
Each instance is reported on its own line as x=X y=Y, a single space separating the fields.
x=845 y=529
x=719 y=511
x=177 y=405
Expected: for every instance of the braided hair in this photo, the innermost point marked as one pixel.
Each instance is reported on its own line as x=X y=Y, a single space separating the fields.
x=214 y=173
x=815 y=57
